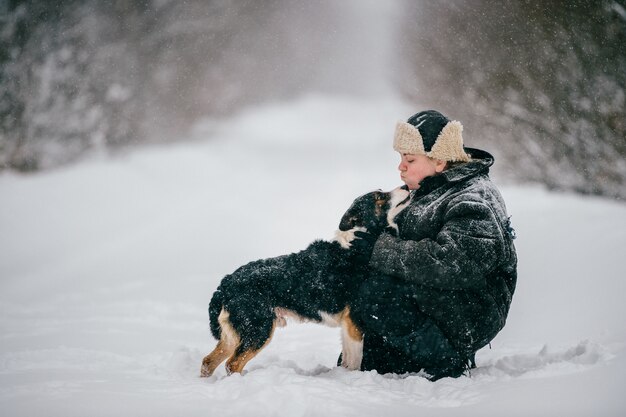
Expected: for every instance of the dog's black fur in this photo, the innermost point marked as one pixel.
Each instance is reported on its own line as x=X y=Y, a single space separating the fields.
x=247 y=305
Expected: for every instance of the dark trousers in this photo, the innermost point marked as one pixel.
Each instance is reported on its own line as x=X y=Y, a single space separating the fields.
x=398 y=337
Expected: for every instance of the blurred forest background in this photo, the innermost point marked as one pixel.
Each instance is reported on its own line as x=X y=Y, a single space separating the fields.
x=539 y=83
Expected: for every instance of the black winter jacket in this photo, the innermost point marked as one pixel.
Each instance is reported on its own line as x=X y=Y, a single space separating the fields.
x=455 y=249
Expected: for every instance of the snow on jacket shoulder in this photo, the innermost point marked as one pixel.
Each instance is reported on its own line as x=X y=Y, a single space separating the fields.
x=455 y=249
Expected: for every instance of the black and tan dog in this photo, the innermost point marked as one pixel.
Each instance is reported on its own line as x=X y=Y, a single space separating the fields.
x=316 y=284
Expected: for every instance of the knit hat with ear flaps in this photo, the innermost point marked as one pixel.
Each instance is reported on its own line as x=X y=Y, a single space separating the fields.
x=432 y=134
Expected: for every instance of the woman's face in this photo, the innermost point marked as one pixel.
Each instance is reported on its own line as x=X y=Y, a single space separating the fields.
x=414 y=168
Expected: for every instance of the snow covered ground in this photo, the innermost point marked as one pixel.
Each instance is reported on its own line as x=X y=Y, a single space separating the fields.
x=107 y=267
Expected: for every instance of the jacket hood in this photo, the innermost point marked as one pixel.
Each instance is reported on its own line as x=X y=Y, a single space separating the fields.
x=480 y=163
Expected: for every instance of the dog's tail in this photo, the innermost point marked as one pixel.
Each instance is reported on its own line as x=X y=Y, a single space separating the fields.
x=215 y=307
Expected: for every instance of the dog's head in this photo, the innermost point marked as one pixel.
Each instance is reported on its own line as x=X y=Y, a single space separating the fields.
x=372 y=212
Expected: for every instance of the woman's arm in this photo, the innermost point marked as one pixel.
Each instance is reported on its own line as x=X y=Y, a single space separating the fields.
x=468 y=246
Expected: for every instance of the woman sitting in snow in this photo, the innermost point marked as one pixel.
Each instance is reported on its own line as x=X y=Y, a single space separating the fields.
x=441 y=289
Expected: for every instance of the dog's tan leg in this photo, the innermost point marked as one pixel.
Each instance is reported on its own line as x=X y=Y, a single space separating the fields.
x=237 y=362
x=352 y=343
x=211 y=361
x=226 y=346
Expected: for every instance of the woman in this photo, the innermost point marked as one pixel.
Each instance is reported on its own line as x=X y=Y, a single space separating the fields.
x=441 y=289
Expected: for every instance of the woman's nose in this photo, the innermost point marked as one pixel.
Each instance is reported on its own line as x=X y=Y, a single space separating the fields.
x=402 y=166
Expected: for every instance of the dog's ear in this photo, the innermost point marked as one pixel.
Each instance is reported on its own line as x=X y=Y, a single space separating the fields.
x=347 y=222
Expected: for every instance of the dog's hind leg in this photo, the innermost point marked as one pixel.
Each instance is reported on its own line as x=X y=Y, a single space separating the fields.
x=246 y=351
x=226 y=346
x=352 y=342
x=239 y=360
x=212 y=360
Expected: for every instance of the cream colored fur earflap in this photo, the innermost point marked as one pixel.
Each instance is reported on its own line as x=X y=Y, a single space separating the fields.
x=408 y=139
x=448 y=145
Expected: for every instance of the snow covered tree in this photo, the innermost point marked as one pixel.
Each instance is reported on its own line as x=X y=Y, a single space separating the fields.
x=542 y=83
x=83 y=75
